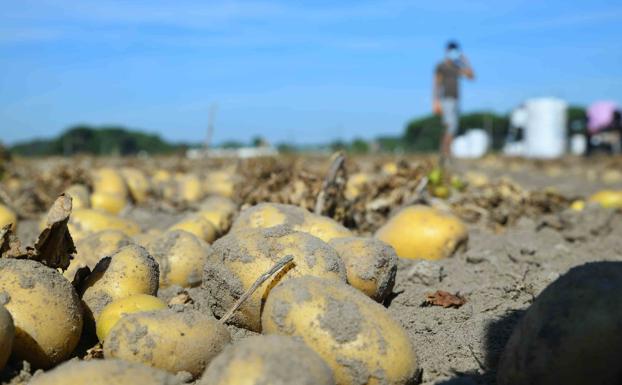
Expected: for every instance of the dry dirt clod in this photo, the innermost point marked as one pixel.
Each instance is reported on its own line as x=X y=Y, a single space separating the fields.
x=444 y=299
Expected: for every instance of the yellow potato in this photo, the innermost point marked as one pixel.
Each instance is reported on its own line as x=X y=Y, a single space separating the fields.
x=577 y=205
x=239 y=258
x=7 y=334
x=94 y=247
x=389 y=168
x=181 y=256
x=148 y=236
x=198 y=226
x=109 y=180
x=371 y=265
x=189 y=188
x=131 y=270
x=219 y=183
x=137 y=183
x=219 y=211
x=80 y=196
x=422 y=232
x=7 y=216
x=113 y=312
x=266 y=215
x=608 y=198
x=356 y=182
x=166 y=339
x=88 y=221
x=355 y=335
x=112 y=203
x=571 y=333
x=104 y=372
x=45 y=308
x=272 y=359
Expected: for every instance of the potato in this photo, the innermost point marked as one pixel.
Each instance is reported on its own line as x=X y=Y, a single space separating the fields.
x=80 y=196
x=7 y=334
x=148 y=236
x=239 y=258
x=371 y=265
x=88 y=221
x=181 y=256
x=137 y=183
x=219 y=211
x=113 y=312
x=608 y=198
x=95 y=247
x=271 y=359
x=355 y=335
x=266 y=215
x=104 y=372
x=190 y=188
x=356 y=182
x=572 y=333
x=7 y=216
x=45 y=308
x=109 y=180
x=219 y=183
x=423 y=232
x=166 y=339
x=112 y=203
x=131 y=270
x=198 y=226
x=389 y=168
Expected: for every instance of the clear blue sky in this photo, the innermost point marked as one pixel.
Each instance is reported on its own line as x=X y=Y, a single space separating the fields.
x=290 y=71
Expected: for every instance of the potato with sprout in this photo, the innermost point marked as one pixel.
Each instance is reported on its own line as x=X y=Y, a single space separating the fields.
x=239 y=258
x=45 y=309
x=371 y=265
x=423 y=232
x=166 y=339
x=355 y=335
x=265 y=215
x=270 y=359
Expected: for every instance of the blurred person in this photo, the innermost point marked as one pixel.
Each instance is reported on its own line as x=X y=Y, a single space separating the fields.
x=446 y=93
x=604 y=126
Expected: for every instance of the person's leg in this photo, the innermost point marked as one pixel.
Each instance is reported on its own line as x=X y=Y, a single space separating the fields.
x=450 y=121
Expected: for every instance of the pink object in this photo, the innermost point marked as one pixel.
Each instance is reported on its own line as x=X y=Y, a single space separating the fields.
x=600 y=115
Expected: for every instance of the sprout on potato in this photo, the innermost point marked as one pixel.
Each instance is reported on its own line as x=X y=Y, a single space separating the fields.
x=268 y=360
x=572 y=333
x=166 y=339
x=239 y=258
x=371 y=265
x=7 y=334
x=355 y=335
x=104 y=372
x=45 y=308
x=131 y=270
x=265 y=215
x=423 y=232
x=181 y=256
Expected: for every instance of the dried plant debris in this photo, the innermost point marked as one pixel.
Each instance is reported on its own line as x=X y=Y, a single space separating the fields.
x=444 y=299
x=54 y=247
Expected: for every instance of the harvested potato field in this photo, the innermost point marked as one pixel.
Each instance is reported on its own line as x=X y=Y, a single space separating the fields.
x=310 y=270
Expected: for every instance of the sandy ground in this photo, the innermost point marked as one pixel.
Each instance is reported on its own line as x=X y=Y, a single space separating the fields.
x=499 y=273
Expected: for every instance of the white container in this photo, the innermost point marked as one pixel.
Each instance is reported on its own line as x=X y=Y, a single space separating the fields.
x=578 y=144
x=545 y=130
x=473 y=144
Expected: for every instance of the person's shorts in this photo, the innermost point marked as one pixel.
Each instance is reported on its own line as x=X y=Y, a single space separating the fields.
x=451 y=115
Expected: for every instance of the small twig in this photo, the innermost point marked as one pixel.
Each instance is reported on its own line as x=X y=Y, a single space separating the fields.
x=262 y=278
x=335 y=166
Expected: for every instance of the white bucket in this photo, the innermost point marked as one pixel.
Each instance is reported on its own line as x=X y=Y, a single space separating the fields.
x=545 y=130
x=578 y=144
x=473 y=144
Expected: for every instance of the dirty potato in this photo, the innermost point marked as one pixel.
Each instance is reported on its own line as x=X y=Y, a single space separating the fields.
x=355 y=335
x=7 y=334
x=113 y=312
x=239 y=258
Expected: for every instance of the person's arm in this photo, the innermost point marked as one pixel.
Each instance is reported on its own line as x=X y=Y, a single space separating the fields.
x=436 y=93
x=466 y=70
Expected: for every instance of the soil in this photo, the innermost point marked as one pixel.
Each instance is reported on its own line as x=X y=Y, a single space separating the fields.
x=518 y=244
